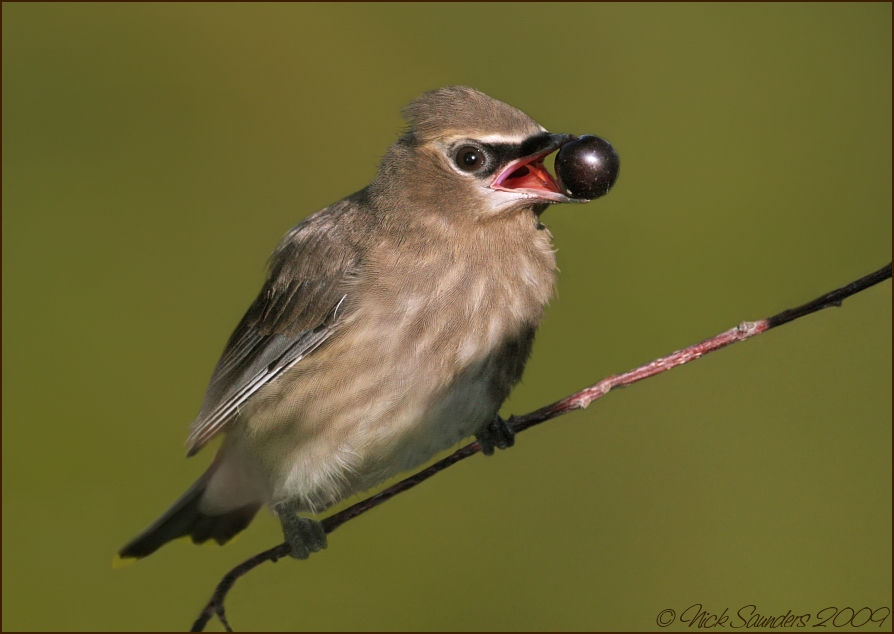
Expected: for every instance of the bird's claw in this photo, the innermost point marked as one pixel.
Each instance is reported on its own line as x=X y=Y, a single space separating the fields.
x=496 y=434
x=303 y=535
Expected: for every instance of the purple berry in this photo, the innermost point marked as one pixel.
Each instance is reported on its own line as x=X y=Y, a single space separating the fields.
x=587 y=167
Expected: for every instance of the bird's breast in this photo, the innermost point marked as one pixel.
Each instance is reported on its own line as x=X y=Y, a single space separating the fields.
x=460 y=295
x=454 y=327
x=435 y=337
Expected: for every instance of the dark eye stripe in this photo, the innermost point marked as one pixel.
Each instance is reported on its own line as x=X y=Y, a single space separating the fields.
x=532 y=145
x=498 y=155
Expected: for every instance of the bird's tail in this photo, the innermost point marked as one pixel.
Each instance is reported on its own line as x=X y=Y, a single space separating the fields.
x=184 y=519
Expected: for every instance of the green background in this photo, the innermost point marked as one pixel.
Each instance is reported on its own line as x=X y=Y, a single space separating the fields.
x=153 y=155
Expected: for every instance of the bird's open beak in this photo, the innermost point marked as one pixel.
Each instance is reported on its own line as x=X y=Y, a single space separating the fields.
x=528 y=175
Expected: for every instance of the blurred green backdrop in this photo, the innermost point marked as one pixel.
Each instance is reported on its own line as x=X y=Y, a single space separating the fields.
x=154 y=154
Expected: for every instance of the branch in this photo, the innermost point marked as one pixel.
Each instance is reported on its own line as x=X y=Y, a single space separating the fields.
x=580 y=400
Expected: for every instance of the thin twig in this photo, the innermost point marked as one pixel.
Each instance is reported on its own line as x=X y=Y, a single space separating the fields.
x=580 y=400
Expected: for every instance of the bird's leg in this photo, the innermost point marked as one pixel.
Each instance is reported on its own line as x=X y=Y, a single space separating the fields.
x=495 y=434
x=302 y=534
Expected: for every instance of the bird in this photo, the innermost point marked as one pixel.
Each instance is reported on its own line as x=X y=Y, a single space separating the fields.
x=391 y=325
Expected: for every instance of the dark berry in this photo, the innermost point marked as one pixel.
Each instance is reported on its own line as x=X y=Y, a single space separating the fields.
x=587 y=167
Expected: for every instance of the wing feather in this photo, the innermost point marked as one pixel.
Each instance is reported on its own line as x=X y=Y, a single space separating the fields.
x=306 y=295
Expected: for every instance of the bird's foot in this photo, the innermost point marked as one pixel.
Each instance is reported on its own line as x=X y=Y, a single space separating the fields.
x=303 y=535
x=496 y=434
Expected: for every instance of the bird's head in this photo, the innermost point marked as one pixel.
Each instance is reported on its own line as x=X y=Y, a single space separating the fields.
x=465 y=152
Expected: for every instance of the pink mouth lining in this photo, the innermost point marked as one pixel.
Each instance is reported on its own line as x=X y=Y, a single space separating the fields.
x=528 y=174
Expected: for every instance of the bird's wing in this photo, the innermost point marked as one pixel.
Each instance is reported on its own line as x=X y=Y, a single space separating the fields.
x=304 y=298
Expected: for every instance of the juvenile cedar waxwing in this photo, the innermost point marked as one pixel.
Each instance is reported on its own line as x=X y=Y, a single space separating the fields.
x=392 y=325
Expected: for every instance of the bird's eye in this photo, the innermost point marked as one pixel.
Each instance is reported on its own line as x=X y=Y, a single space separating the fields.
x=469 y=158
